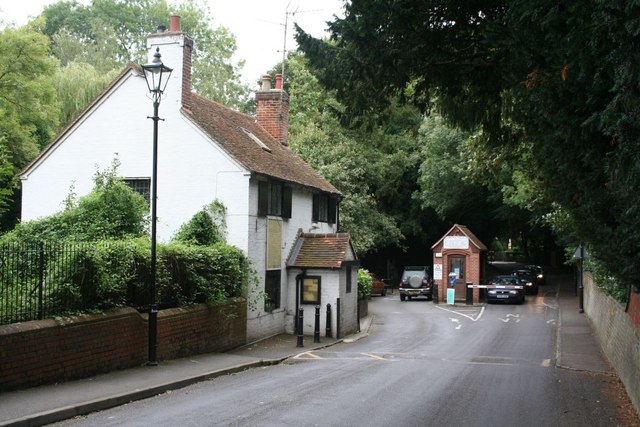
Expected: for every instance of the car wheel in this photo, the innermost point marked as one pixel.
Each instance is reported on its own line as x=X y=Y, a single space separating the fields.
x=402 y=297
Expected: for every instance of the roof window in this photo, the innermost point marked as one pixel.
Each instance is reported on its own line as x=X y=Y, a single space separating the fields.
x=256 y=139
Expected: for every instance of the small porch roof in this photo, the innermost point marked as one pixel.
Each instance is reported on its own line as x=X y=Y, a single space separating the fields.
x=324 y=251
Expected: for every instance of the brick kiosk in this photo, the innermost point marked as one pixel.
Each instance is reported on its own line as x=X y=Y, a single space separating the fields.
x=459 y=254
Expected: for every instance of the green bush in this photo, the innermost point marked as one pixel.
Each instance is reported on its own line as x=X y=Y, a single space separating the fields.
x=113 y=266
x=364 y=284
x=208 y=274
x=111 y=211
x=206 y=227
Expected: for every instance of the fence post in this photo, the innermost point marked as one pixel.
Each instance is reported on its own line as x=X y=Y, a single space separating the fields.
x=328 y=332
x=40 y=280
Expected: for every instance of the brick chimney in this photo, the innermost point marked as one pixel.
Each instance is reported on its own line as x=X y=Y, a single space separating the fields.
x=272 y=109
x=176 y=49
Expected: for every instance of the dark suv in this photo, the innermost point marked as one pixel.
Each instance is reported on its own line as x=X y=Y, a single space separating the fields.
x=415 y=282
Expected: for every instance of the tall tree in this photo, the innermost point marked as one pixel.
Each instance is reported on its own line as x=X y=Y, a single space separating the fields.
x=317 y=136
x=559 y=77
x=110 y=33
x=28 y=106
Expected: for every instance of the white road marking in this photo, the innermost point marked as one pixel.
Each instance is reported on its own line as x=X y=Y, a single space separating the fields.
x=306 y=354
x=509 y=316
x=462 y=314
x=373 y=356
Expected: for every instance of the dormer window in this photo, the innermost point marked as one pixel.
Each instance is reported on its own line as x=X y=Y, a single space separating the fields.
x=256 y=140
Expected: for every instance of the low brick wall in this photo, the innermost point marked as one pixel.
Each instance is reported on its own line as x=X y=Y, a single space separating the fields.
x=618 y=333
x=49 y=351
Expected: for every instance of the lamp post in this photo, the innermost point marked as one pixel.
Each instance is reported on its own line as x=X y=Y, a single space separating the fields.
x=156 y=75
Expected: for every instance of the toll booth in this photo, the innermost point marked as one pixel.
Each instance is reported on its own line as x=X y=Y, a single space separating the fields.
x=458 y=261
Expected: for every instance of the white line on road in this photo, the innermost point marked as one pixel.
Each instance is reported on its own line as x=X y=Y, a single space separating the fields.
x=462 y=314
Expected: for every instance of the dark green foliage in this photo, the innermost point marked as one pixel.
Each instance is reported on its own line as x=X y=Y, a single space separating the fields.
x=208 y=274
x=206 y=227
x=554 y=81
x=364 y=284
x=112 y=267
x=75 y=278
x=111 y=211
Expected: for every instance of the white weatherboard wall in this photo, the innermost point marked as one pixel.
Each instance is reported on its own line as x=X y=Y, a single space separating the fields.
x=259 y=322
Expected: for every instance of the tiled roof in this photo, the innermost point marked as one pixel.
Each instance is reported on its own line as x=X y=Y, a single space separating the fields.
x=228 y=128
x=315 y=250
x=464 y=230
x=224 y=126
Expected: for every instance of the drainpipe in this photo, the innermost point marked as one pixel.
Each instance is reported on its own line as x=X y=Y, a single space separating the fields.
x=299 y=278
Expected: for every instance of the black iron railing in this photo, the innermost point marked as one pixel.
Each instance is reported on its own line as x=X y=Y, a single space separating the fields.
x=46 y=279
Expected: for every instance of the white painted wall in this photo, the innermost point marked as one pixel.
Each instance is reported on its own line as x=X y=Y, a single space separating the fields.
x=349 y=302
x=333 y=286
x=192 y=172
x=260 y=323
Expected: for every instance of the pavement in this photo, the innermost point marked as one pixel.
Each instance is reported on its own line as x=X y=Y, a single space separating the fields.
x=577 y=349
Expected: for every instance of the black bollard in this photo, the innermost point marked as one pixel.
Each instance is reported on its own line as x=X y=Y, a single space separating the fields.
x=469 y=293
x=434 y=295
x=328 y=332
x=300 y=327
x=338 y=319
x=316 y=329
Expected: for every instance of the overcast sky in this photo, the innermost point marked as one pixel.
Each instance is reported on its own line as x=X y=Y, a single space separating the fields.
x=257 y=24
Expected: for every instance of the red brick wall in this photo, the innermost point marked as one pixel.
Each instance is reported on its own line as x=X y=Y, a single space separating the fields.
x=272 y=112
x=48 y=351
x=186 y=73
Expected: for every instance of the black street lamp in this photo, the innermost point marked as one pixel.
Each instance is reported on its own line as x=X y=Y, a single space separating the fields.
x=157 y=76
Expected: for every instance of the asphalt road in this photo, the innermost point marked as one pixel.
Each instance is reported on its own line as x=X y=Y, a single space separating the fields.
x=421 y=365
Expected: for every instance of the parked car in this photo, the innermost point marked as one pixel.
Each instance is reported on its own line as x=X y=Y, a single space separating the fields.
x=538 y=272
x=527 y=279
x=416 y=282
x=505 y=288
x=378 y=287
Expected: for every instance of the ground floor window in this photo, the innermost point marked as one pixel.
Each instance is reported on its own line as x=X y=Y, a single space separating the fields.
x=141 y=186
x=272 y=290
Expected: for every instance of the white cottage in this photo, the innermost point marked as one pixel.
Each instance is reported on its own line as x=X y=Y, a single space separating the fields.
x=206 y=152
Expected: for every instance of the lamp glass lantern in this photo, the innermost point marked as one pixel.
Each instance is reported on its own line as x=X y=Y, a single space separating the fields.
x=156 y=75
